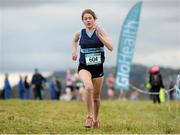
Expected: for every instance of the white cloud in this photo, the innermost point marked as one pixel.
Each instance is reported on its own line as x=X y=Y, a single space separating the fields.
x=167 y=58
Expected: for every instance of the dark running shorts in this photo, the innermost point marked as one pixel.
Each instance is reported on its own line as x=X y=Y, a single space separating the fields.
x=70 y=86
x=95 y=70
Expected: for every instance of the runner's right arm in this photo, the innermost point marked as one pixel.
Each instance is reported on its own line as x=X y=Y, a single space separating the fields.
x=75 y=45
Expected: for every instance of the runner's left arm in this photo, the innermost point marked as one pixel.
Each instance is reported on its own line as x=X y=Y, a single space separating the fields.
x=103 y=36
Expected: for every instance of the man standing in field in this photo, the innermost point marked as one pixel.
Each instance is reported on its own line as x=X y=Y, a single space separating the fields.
x=37 y=81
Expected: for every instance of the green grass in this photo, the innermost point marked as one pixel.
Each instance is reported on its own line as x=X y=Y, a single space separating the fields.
x=116 y=116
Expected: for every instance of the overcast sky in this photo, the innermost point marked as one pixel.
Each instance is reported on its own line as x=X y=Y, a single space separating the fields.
x=38 y=33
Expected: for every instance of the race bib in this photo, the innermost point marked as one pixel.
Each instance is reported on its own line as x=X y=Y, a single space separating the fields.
x=93 y=58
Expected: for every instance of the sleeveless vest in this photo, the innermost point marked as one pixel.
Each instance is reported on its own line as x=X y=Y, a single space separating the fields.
x=91 y=49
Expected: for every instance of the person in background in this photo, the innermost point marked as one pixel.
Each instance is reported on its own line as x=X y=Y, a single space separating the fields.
x=79 y=87
x=7 y=87
x=134 y=95
x=156 y=82
x=177 y=87
x=110 y=80
x=59 y=87
x=53 y=88
x=37 y=84
x=2 y=93
x=171 y=86
x=69 y=84
x=26 y=88
x=21 y=88
x=123 y=95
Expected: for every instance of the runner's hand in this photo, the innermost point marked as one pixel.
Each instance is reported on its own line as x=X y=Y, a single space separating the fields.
x=74 y=56
x=98 y=30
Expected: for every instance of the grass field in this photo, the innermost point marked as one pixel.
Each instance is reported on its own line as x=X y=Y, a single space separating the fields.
x=116 y=116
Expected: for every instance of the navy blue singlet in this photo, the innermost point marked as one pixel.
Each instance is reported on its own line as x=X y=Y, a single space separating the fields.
x=91 y=49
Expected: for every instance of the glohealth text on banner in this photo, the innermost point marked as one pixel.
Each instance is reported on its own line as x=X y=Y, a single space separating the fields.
x=126 y=47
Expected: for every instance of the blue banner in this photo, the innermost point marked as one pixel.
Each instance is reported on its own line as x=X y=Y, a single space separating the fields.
x=126 y=47
x=177 y=87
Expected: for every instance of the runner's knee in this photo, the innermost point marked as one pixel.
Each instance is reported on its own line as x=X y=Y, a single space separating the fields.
x=96 y=97
x=89 y=88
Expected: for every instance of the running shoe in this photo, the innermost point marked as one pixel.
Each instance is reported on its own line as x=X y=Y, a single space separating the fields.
x=96 y=124
x=89 y=121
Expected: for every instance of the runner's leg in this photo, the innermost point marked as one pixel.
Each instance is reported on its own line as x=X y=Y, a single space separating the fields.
x=97 y=83
x=86 y=78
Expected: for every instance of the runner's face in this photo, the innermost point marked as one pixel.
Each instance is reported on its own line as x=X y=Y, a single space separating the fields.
x=88 y=21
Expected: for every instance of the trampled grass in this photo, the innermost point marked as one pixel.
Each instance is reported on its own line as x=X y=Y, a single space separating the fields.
x=116 y=116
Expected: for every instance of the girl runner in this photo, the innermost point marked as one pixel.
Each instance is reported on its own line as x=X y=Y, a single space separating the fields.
x=91 y=40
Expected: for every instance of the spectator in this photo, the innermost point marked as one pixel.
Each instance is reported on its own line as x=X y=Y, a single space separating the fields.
x=178 y=87
x=156 y=83
x=79 y=88
x=26 y=88
x=59 y=87
x=37 y=81
x=69 y=84
x=21 y=88
x=134 y=95
x=171 y=92
x=110 y=83
x=55 y=87
x=7 y=87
